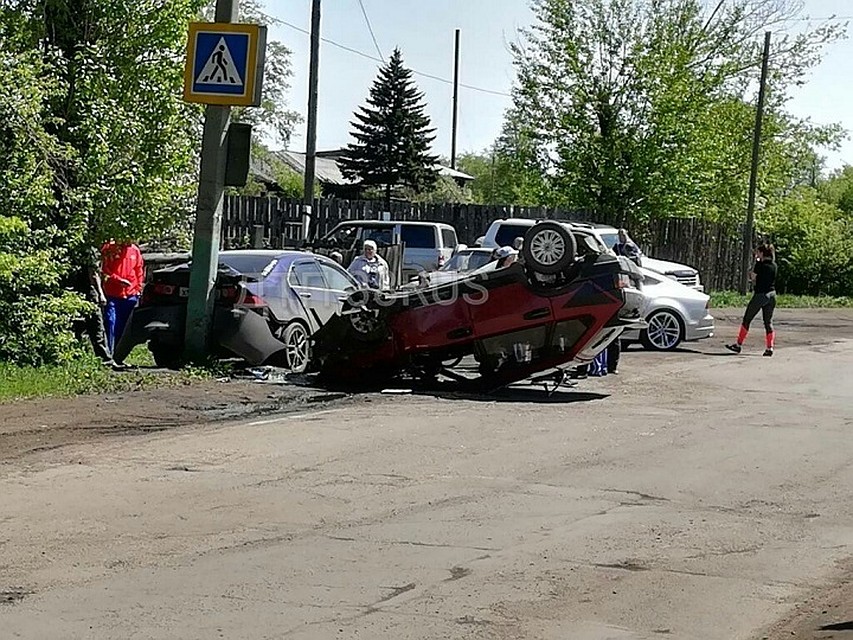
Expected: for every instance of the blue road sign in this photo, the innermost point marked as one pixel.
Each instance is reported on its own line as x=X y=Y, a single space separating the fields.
x=224 y=63
x=220 y=64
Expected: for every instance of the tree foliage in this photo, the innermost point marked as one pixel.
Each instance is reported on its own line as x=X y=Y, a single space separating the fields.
x=392 y=134
x=96 y=143
x=637 y=109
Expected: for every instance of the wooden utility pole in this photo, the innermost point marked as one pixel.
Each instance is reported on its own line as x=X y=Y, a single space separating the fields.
x=455 y=101
x=311 y=141
x=748 y=228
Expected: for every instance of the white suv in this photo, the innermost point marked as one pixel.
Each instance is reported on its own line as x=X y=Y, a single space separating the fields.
x=502 y=232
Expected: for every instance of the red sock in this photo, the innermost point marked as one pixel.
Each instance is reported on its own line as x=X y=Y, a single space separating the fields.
x=741 y=336
x=769 y=339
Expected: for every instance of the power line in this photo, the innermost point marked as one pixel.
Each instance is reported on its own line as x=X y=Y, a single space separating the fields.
x=370 y=28
x=415 y=71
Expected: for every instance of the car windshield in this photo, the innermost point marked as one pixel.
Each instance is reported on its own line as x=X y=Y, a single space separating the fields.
x=252 y=265
x=467 y=261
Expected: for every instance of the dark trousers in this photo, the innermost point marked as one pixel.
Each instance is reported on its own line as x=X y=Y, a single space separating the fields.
x=764 y=302
x=93 y=327
x=614 y=350
x=116 y=314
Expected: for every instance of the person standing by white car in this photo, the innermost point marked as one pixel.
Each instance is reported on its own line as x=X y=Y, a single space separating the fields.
x=370 y=269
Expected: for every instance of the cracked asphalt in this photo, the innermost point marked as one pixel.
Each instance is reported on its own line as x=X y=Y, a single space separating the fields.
x=696 y=495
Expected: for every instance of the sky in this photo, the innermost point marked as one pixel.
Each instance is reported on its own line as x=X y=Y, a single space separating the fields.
x=424 y=32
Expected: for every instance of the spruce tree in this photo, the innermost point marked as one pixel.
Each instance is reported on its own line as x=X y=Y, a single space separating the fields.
x=393 y=134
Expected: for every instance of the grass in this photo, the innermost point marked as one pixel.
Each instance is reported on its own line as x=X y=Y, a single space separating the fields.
x=724 y=299
x=86 y=375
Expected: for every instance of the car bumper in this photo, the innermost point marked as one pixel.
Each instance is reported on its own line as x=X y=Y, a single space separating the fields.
x=700 y=330
x=239 y=331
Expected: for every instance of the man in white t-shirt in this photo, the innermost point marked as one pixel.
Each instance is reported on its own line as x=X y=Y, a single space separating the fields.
x=370 y=269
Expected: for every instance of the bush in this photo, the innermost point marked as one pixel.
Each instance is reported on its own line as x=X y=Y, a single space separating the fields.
x=814 y=245
x=38 y=330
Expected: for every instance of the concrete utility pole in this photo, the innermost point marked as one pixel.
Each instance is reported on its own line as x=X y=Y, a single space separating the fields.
x=311 y=142
x=748 y=228
x=455 y=101
x=205 y=253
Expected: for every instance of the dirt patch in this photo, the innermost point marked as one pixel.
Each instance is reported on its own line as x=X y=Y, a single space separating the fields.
x=42 y=424
x=827 y=613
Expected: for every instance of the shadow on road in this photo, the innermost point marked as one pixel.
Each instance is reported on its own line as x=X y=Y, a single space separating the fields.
x=514 y=394
x=841 y=626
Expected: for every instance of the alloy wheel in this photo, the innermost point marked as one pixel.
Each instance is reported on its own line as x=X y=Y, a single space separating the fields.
x=664 y=331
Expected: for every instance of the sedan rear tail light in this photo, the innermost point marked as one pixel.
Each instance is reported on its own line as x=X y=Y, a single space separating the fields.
x=156 y=289
x=623 y=281
x=248 y=299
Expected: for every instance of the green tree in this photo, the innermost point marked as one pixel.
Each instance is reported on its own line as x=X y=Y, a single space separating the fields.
x=636 y=109
x=392 y=134
x=814 y=244
x=837 y=190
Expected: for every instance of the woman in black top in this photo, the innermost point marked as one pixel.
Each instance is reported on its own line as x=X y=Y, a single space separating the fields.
x=763 y=299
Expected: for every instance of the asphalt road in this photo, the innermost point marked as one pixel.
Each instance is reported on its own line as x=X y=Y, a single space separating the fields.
x=696 y=495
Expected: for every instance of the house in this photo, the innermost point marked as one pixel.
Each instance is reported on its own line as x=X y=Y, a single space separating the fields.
x=333 y=183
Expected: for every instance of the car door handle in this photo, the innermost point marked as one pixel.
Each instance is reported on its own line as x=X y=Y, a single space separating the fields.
x=304 y=294
x=536 y=314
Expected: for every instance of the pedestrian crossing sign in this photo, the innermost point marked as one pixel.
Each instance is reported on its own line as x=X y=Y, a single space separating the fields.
x=225 y=63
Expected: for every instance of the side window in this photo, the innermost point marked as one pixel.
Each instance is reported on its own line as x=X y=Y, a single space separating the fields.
x=344 y=236
x=336 y=279
x=418 y=236
x=306 y=273
x=448 y=238
x=507 y=234
x=382 y=236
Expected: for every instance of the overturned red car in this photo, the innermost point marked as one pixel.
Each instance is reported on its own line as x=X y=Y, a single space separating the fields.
x=563 y=303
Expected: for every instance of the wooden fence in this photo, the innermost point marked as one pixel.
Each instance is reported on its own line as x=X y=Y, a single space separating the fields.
x=712 y=248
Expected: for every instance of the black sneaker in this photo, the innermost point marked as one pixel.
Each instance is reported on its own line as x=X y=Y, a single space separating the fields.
x=734 y=347
x=768 y=352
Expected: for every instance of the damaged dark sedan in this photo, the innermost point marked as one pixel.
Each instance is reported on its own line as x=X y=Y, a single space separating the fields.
x=562 y=304
x=267 y=305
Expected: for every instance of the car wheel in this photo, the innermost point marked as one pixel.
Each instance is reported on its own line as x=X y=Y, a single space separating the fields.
x=367 y=315
x=548 y=248
x=664 y=333
x=297 y=347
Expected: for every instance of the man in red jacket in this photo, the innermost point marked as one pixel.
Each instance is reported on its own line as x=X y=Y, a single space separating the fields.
x=123 y=277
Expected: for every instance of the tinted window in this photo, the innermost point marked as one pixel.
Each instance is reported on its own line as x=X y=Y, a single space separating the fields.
x=336 y=279
x=249 y=265
x=448 y=238
x=418 y=236
x=509 y=232
x=382 y=236
x=307 y=274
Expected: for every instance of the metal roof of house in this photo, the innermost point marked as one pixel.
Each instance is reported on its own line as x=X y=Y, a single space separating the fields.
x=328 y=171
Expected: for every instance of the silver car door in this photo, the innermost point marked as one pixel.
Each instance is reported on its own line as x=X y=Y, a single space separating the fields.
x=340 y=284
x=309 y=285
